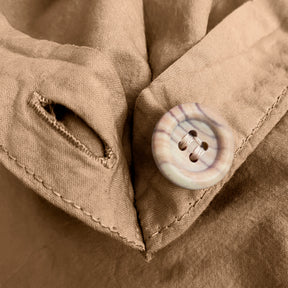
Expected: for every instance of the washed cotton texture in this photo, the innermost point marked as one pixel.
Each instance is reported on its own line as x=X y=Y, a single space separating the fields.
x=83 y=84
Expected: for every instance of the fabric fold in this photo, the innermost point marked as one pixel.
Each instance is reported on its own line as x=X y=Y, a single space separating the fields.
x=66 y=113
x=39 y=79
x=243 y=77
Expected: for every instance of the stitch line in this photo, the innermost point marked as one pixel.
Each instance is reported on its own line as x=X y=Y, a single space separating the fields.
x=242 y=145
x=65 y=200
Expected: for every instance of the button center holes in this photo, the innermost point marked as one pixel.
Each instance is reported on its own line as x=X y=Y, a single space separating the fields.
x=198 y=151
x=192 y=133
x=204 y=145
x=193 y=157
x=182 y=145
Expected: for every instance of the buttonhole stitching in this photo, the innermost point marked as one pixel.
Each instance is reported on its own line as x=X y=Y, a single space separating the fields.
x=38 y=102
x=67 y=201
x=244 y=141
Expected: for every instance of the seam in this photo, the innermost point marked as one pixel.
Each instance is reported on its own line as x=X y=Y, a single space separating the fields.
x=139 y=223
x=262 y=120
x=65 y=200
x=37 y=102
x=242 y=145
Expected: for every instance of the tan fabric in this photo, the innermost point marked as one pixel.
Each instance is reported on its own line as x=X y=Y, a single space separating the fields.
x=76 y=129
x=239 y=241
x=212 y=73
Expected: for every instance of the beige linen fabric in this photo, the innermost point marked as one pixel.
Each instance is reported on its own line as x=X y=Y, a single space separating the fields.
x=247 y=100
x=239 y=241
x=76 y=129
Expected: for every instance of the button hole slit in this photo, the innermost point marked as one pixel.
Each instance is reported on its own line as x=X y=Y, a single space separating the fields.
x=52 y=114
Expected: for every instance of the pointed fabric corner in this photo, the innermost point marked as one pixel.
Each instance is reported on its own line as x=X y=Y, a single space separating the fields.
x=239 y=69
x=62 y=117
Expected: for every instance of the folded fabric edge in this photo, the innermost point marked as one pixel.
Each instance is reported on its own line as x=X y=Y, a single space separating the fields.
x=32 y=180
x=23 y=171
x=265 y=124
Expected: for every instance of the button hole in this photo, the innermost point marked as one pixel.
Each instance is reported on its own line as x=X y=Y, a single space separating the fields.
x=193 y=157
x=193 y=133
x=204 y=145
x=182 y=145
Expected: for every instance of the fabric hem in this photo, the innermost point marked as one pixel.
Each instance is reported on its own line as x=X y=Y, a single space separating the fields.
x=244 y=141
x=65 y=200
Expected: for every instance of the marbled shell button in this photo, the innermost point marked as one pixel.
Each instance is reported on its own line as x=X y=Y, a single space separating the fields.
x=192 y=146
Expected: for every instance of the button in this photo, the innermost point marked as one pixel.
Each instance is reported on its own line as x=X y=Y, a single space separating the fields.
x=193 y=146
